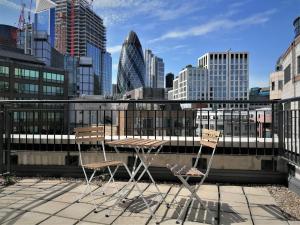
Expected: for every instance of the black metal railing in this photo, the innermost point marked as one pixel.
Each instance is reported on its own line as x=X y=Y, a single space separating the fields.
x=248 y=127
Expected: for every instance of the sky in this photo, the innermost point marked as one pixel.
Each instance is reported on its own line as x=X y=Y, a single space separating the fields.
x=180 y=31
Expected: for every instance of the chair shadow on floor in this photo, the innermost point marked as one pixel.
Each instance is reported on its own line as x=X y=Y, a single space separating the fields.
x=138 y=205
x=196 y=213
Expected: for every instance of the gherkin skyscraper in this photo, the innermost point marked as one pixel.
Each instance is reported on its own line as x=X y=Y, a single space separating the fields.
x=131 y=70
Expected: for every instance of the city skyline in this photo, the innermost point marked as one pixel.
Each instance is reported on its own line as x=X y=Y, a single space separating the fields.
x=190 y=29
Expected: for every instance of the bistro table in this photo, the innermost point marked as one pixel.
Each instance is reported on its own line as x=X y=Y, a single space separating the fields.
x=142 y=149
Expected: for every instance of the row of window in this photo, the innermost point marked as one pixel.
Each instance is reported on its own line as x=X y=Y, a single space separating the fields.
x=26 y=88
x=4 y=71
x=29 y=74
x=34 y=75
x=53 y=77
x=34 y=89
x=52 y=90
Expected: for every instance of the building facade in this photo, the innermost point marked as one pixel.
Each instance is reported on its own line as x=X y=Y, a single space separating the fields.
x=131 y=70
x=75 y=30
x=276 y=85
x=106 y=83
x=191 y=84
x=169 y=80
x=228 y=75
x=155 y=70
x=24 y=77
x=8 y=35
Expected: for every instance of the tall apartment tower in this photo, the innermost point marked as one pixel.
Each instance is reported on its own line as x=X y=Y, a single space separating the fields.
x=87 y=27
x=75 y=30
x=228 y=75
x=155 y=70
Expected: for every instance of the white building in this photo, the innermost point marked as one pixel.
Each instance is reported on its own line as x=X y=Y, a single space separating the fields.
x=228 y=75
x=190 y=84
x=219 y=76
x=155 y=70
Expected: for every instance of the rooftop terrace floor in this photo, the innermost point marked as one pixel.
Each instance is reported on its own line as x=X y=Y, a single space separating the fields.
x=39 y=201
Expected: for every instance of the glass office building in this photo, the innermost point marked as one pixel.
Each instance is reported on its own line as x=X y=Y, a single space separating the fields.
x=106 y=83
x=131 y=70
x=45 y=21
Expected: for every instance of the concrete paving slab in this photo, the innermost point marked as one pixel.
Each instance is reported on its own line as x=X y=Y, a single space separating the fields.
x=76 y=211
x=257 y=191
x=28 y=218
x=29 y=181
x=233 y=199
x=27 y=204
x=240 y=209
x=266 y=212
x=58 y=220
x=269 y=222
x=69 y=197
x=100 y=217
x=261 y=200
x=81 y=188
x=231 y=189
x=234 y=218
x=10 y=199
x=200 y=216
x=87 y=223
x=8 y=214
x=293 y=222
x=130 y=219
x=50 y=207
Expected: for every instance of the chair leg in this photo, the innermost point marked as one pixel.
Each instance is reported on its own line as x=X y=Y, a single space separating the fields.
x=194 y=194
x=88 y=182
x=122 y=196
x=86 y=187
x=111 y=180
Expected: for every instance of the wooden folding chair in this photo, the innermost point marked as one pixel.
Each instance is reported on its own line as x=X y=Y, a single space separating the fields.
x=210 y=139
x=95 y=135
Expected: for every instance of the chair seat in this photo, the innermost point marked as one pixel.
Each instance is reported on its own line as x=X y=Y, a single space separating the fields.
x=185 y=172
x=100 y=165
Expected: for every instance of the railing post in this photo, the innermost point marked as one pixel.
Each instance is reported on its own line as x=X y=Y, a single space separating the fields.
x=7 y=138
x=2 y=122
x=280 y=127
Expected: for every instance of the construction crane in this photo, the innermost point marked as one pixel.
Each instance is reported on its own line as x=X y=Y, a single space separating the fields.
x=21 y=23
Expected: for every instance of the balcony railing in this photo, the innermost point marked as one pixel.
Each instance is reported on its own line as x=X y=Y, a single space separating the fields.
x=248 y=127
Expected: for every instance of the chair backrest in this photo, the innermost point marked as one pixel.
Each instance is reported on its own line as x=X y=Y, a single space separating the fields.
x=89 y=134
x=210 y=138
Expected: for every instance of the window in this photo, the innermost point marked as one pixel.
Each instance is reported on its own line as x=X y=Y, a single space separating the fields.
x=273 y=86
x=280 y=84
x=4 y=71
x=287 y=74
x=3 y=86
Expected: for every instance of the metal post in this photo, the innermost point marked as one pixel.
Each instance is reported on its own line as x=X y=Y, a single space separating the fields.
x=7 y=139
x=1 y=138
x=280 y=126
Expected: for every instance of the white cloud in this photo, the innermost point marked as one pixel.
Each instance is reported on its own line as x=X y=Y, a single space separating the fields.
x=114 y=49
x=214 y=25
x=118 y=11
x=13 y=5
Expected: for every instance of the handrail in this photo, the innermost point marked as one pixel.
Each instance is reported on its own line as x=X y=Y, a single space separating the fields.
x=141 y=101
